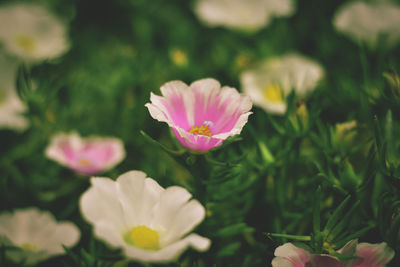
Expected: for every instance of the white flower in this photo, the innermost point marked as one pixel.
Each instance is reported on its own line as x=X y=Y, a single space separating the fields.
x=242 y=14
x=31 y=32
x=88 y=155
x=36 y=233
x=149 y=223
x=369 y=22
x=273 y=79
x=11 y=107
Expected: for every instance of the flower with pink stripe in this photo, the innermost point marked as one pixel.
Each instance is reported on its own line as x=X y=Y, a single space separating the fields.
x=201 y=115
x=86 y=156
x=364 y=255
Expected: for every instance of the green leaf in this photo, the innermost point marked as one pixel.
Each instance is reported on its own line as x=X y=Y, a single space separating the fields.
x=229 y=250
x=336 y=216
x=235 y=229
x=317 y=212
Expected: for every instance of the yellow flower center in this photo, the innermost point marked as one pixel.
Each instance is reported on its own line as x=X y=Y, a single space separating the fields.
x=202 y=130
x=29 y=247
x=144 y=237
x=84 y=162
x=273 y=93
x=26 y=43
x=179 y=57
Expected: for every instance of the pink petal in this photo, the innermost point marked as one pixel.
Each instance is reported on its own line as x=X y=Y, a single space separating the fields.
x=85 y=155
x=374 y=255
x=289 y=255
x=204 y=103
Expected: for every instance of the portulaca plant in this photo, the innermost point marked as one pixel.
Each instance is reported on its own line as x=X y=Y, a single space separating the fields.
x=369 y=23
x=272 y=80
x=149 y=223
x=31 y=32
x=35 y=235
x=201 y=115
x=88 y=155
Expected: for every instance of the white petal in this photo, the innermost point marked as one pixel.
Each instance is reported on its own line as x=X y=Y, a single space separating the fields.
x=185 y=220
x=170 y=202
x=169 y=253
x=295 y=254
x=66 y=234
x=100 y=203
x=281 y=262
x=138 y=196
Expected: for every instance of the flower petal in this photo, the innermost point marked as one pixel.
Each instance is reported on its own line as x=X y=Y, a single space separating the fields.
x=171 y=252
x=188 y=217
x=100 y=204
x=374 y=255
x=297 y=257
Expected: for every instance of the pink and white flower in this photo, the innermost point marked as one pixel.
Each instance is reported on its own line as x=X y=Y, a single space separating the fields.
x=368 y=255
x=201 y=115
x=86 y=156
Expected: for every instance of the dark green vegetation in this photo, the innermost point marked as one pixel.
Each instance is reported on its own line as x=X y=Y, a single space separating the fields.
x=122 y=50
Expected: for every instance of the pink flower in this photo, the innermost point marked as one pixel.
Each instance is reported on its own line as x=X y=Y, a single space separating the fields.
x=201 y=115
x=368 y=255
x=86 y=156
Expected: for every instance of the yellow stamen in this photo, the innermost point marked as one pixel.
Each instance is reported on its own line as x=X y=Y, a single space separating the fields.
x=29 y=247
x=144 y=237
x=273 y=93
x=25 y=42
x=202 y=130
x=84 y=162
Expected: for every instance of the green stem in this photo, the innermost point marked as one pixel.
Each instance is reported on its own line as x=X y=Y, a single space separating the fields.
x=293 y=237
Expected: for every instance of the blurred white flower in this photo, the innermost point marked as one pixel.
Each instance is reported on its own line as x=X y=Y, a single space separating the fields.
x=149 y=223
x=371 y=22
x=249 y=15
x=273 y=79
x=31 y=32
x=88 y=155
x=11 y=106
x=36 y=233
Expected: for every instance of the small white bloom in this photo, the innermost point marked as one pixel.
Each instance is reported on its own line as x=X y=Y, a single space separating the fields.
x=369 y=22
x=273 y=79
x=11 y=107
x=31 y=32
x=37 y=234
x=242 y=14
x=149 y=223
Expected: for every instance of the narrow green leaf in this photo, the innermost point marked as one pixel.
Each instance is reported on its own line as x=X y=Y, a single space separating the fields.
x=317 y=211
x=292 y=237
x=336 y=216
x=340 y=227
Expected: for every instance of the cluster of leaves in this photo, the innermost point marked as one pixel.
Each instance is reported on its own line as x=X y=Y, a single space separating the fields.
x=280 y=181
